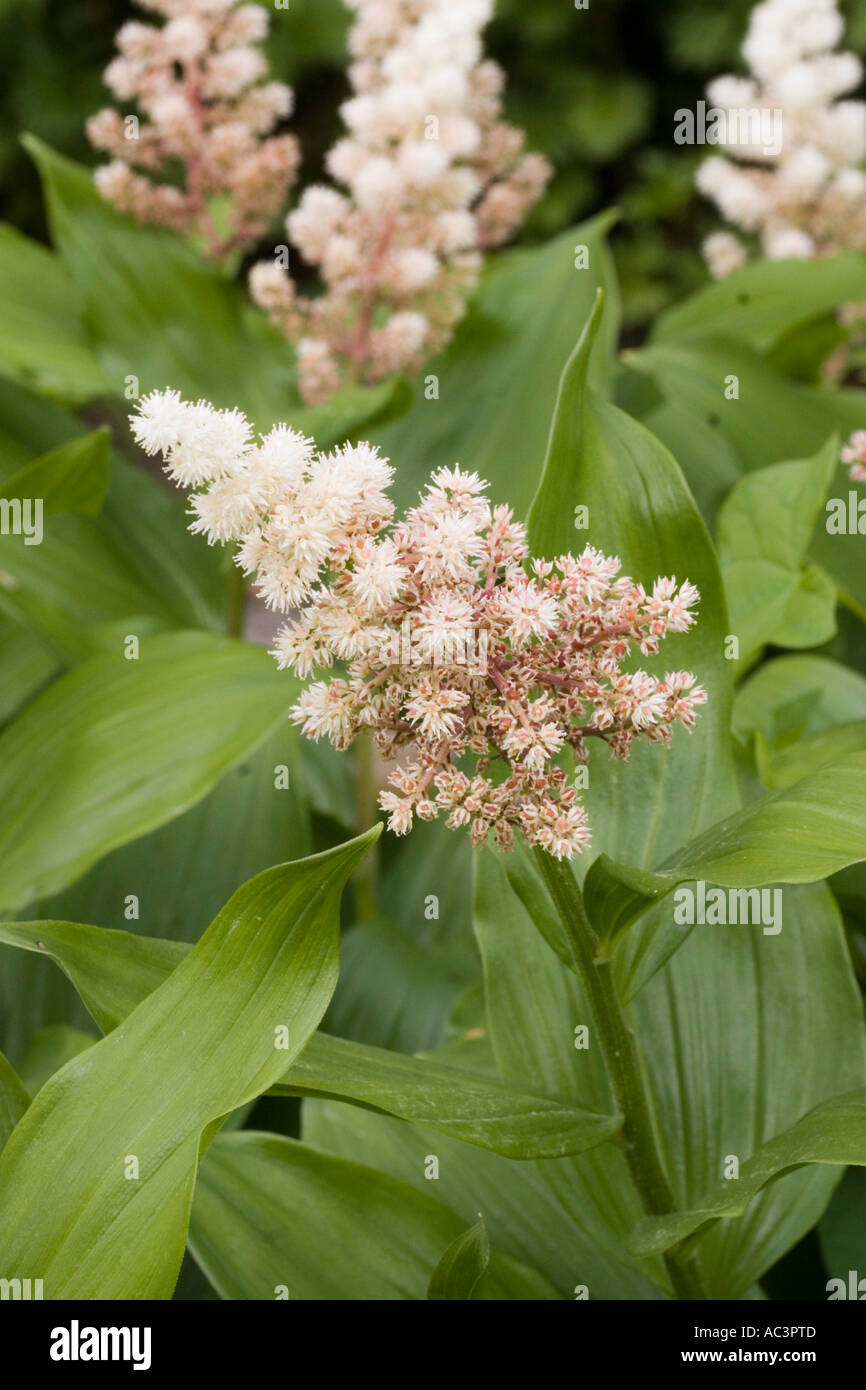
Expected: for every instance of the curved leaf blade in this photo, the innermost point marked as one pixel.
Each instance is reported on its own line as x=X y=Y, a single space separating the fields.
x=139 y=741
x=159 y=1085
x=463 y=1265
x=832 y=1133
x=115 y=971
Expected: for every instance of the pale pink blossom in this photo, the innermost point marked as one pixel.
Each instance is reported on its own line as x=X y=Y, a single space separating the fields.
x=317 y=533
x=854 y=454
x=202 y=104
x=429 y=176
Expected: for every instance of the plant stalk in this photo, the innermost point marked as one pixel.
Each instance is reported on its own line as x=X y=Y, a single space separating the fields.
x=622 y=1060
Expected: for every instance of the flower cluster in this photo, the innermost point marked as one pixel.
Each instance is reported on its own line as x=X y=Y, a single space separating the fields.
x=854 y=454
x=809 y=198
x=206 y=113
x=430 y=176
x=317 y=532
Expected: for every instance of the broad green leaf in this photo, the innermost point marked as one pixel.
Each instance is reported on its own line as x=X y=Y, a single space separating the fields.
x=136 y=560
x=118 y=747
x=724 y=1051
x=497 y=379
x=640 y=509
x=784 y=767
x=114 y=972
x=178 y=882
x=765 y=527
x=456 y=1102
x=792 y=696
x=44 y=342
x=526 y=1219
x=160 y=315
x=404 y=971
x=154 y=309
x=741 y=1034
x=276 y=1219
x=797 y=835
x=463 y=1266
x=71 y=478
x=765 y=300
x=392 y=990
x=715 y=437
x=260 y=976
x=27 y=664
x=833 y=1133
x=14 y=1099
x=49 y=1050
x=535 y=1011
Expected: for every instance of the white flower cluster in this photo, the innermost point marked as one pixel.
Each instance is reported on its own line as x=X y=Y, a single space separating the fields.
x=317 y=532
x=197 y=81
x=431 y=175
x=809 y=198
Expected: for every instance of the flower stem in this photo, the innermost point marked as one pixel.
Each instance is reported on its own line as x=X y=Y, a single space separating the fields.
x=622 y=1060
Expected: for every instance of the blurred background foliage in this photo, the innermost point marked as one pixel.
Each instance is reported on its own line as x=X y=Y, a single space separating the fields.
x=596 y=89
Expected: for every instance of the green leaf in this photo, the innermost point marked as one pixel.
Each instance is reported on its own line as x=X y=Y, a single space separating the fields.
x=456 y=1102
x=797 y=835
x=640 y=509
x=792 y=696
x=534 y=1011
x=154 y=309
x=520 y=328
x=765 y=300
x=715 y=438
x=44 y=342
x=115 y=971
x=26 y=663
x=49 y=1050
x=404 y=971
x=463 y=1266
x=765 y=527
x=741 y=1034
x=268 y=961
x=786 y=766
x=136 y=560
x=14 y=1099
x=393 y=991
x=70 y=478
x=834 y=1133
x=157 y=312
x=276 y=1219
x=190 y=707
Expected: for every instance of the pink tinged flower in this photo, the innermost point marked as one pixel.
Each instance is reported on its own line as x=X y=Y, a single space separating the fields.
x=854 y=454
x=201 y=103
x=316 y=533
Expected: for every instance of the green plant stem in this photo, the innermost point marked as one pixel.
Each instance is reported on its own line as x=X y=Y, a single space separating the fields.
x=366 y=875
x=623 y=1063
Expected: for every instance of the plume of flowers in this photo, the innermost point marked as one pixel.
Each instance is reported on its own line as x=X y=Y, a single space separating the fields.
x=854 y=455
x=809 y=199
x=455 y=646
x=429 y=176
x=205 y=110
